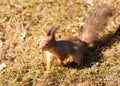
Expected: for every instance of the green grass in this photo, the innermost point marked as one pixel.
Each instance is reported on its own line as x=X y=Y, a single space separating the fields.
x=22 y=25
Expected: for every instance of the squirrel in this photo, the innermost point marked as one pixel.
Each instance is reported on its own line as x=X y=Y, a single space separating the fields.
x=73 y=46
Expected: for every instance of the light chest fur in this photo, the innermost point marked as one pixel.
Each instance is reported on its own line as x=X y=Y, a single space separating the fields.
x=49 y=56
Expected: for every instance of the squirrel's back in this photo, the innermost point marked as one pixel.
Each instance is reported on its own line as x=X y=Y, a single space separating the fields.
x=93 y=30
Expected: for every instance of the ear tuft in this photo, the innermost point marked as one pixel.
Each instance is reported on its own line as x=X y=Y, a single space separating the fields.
x=49 y=31
x=52 y=31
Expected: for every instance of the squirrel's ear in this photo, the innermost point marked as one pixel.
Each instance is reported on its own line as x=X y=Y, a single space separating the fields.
x=51 y=31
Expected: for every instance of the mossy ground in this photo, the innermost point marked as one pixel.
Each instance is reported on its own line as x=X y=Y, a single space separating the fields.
x=22 y=25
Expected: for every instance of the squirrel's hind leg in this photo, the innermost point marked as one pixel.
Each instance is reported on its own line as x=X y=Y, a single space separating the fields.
x=78 y=59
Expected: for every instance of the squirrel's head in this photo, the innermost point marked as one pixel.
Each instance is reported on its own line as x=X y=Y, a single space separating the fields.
x=48 y=41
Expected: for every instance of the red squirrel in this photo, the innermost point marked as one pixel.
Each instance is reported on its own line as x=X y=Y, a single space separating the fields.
x=73 y=46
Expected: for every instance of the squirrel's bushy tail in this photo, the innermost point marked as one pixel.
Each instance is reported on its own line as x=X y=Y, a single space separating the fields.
x=94 y=28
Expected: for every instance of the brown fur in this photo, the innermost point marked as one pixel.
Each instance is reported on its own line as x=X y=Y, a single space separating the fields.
x=94 y=27
x=73 y=46
x=62 y=49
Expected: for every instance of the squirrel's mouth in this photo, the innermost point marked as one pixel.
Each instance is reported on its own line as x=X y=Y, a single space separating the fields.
x=44 y=49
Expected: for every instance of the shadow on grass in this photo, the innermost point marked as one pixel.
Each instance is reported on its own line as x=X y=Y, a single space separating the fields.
x=96 y=55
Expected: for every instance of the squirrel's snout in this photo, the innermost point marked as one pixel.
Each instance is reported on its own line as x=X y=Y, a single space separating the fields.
x=41 y=48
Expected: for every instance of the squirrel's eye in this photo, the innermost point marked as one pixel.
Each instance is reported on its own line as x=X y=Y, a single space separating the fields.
x=47 y=44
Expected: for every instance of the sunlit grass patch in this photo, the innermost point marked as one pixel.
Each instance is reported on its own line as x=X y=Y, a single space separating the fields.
x=22 y=25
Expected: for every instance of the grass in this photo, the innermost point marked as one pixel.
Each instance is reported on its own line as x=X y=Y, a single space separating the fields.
x=22 y=25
